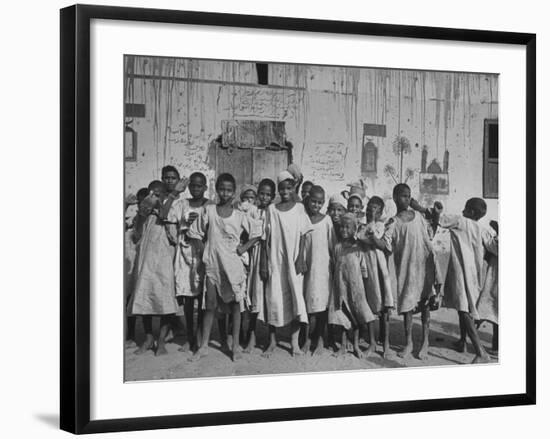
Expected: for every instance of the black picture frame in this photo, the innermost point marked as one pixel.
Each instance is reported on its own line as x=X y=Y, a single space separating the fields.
x=75 y=217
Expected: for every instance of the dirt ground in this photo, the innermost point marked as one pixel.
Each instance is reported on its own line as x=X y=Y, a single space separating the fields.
x=444 y=330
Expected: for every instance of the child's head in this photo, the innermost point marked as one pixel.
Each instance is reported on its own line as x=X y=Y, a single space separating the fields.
x=197 y=185
x=475 y=209
x=402 y=196
x=141 y=194
x=315 y=200
x=336 y=208
x=156 y=188
x=266 y=192
x=170 y=176
x=348 y=226
x=225 y=187
x=355 y=204
x=306 y=188
x=375 y=207
x=285 y=185
x=248 y=194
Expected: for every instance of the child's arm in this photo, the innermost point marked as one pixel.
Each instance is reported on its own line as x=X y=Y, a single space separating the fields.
x=300 y=264
x=181 y=185
x=430 y=214
x=264 y=270
x=243 y=248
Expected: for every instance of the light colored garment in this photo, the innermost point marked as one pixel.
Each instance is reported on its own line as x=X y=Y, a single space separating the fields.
x=284 y=290
x=223 y=266
x=413 y=261
x=188 y=265
x=154 y=292
x=487 y=304
x=255 y=287
x=465 y=273
x=350 y=269
x=319 y=244
x=379 y=289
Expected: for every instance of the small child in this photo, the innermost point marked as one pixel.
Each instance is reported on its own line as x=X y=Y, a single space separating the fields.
x=373 y=238
x=412 y=252
x=463 y=284
x=287 y=224
x=256 y=279
x=188 y=266
x=319 y=245
x=356 y=203
x=225 y=279
x=336 y=209
x=350 y=283
x=154 y=293
x=130 y=253
x=306 y=188
x=487 y=304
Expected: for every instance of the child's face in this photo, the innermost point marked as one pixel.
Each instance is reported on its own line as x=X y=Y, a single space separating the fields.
x=170 y=178
x=347 y=229
x=355 y=205
x=285 y=190
x=374 y=211
x=315 y=202
x=265 y=196
x=225 y=191
x=197 y=188
x=305 y=190
x=403 y=199
x=249 y=196
x=335 y=211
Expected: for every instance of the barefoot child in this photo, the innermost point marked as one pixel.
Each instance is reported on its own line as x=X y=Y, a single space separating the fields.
x=379 y=292
x=350 y=283
x=154 y=293
x=287 y=224
x=256 y=279
x=225 y=277
x=412 y=250
x=487 y=304
x=319 y=244
x=188 y=266
x=469 y=241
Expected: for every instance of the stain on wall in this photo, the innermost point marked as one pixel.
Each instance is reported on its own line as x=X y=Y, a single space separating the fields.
x=324 y=110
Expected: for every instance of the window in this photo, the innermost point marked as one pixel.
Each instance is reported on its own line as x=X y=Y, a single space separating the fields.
x=490 y=158
x=263 y=74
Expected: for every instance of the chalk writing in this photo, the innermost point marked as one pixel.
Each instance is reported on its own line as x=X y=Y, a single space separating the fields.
x=265 y=103
x=325 y=161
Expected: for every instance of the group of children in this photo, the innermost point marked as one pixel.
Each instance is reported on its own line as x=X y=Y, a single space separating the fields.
x=273 y=256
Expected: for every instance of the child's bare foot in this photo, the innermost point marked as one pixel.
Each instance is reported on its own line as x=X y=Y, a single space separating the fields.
x=185 y=348
x=251 y=344
x=307 y=346
x=340 y=352
x=147 y=345
x=492 y=352
x=387 y=352
x=296 y=351
x=423 y=353
x=129 y=344
x=201 y=352
x=161 y=350
x=319 y=349
x=236 y=353
x=370 y=350
x=484 y=358
x=407 y=351
x=460 y=346
x=269 y=350
x=358 y=352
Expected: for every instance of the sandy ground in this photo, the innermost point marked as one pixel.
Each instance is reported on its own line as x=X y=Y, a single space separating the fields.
x=444 y=330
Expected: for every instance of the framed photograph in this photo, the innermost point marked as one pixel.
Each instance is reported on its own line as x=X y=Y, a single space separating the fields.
x=277 y=218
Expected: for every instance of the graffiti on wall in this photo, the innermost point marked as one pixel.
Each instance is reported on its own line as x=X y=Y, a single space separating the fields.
x=325 y=161
x=265 y=103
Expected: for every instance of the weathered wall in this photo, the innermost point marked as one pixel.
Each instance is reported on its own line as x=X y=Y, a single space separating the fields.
x=324 y=109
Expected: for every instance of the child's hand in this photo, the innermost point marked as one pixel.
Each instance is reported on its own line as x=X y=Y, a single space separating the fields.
x=181 y=185
x=415 y=205
x=438 y=207
x=240 y=250
x=192 y=217
x=494 y=225
x=300 y=266
x=264 y=274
